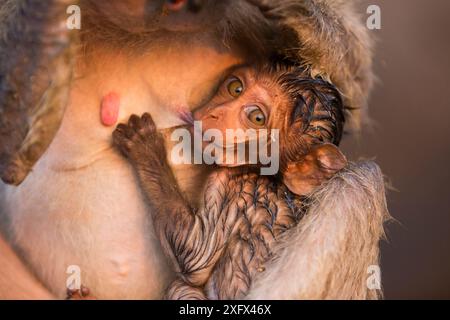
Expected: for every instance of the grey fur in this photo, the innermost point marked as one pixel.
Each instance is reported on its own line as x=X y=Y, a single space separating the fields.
x=343 y=224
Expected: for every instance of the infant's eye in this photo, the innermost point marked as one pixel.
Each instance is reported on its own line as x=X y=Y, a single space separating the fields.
x=256 y=116
x=235 y=88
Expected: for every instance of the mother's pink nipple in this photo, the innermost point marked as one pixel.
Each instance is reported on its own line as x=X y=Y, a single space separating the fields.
x=109 y=109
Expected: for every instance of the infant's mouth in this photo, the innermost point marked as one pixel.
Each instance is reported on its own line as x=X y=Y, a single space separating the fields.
x=186 y=116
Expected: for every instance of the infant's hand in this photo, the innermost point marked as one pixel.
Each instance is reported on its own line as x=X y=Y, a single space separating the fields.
x=139 y=140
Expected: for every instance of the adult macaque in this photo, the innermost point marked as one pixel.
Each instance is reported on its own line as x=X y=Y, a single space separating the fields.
x=218 y=249
x=81 y=205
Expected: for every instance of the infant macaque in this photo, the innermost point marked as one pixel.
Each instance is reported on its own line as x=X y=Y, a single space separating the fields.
x=218 y=249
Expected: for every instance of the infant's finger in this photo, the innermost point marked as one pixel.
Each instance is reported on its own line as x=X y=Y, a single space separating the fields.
x=118 y=137
x=135 y=122
x=148 y=120
x=127 y=131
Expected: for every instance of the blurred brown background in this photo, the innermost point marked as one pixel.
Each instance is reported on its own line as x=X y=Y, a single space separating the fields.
x=410 y=140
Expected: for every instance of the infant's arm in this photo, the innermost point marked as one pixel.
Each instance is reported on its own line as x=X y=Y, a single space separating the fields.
x=193 y=240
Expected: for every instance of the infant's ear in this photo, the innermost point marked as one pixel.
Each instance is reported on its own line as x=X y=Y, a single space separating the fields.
x=318 y=166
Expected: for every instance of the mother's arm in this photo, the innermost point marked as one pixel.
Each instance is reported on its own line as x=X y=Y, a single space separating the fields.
x=16 y=281
x=27 y=122
x=37 y=52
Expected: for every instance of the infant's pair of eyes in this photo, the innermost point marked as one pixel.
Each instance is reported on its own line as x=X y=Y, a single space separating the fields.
x=235 y=88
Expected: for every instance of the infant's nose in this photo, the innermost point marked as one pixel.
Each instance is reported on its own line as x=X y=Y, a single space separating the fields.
x=207 y=114
x=213 y=116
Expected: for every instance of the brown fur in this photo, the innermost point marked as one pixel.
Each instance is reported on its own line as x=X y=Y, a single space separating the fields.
x=332 y=43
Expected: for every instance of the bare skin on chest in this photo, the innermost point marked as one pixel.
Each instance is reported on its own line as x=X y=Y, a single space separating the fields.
x=82 y=205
